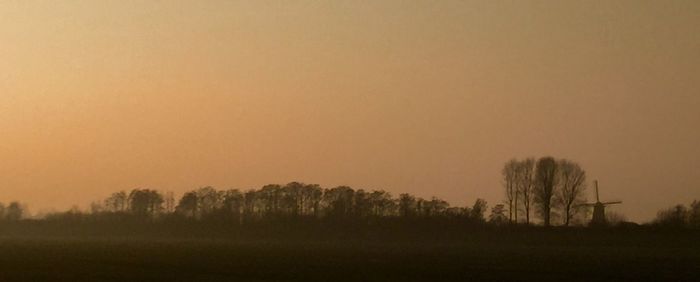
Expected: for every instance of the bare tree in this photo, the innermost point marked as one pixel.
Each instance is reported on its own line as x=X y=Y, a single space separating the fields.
x=525 y=182
x=545 y=185
x=572 y=185
x=509 y=182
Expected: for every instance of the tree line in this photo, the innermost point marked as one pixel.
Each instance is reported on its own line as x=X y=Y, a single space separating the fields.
x=290 y=202
x=680 y=216
x=551 y=190
x=545 y=188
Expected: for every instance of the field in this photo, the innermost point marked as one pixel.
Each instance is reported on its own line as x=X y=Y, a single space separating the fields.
x=494 y=254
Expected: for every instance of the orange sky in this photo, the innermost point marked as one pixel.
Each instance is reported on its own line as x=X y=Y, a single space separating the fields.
x=426 y=97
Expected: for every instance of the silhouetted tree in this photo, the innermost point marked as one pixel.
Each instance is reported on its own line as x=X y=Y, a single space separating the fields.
x=478 y=210
x=188 y=204
x=14 y=211
x=233 y=204
x=292 y=200
x=270 y=198
x=525 y=184
x=572 y=185
x=339 y=201
x=407 y=205
x=208 y=200
x=145 y=202
x=434 y=207
x=509 y=174
x=362 y=206
x=457 y=212
x=381 y=204
x=311 y=198
x=117 y=202
x=250 y=198
x=545 y=185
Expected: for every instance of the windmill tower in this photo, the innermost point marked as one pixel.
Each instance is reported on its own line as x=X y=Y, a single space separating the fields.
x=599 y=208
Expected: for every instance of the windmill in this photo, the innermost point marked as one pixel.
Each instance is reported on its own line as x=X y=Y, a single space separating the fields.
x=599 y=208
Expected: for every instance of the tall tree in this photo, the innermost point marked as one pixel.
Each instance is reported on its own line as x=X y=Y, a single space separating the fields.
x=339 y=201
x=407 y=205
x=525 y=183
x=545 y=185
x=145 y=202
x=381 y=203
x=292 y=199
x=233 y=204
x=509 y=183
x=270 y=197
x=208 y=200
x=311 y=194
x=252 y=209
x=572 y=185
x=362 y=205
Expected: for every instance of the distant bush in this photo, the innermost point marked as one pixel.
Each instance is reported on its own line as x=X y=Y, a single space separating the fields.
x=679 y=216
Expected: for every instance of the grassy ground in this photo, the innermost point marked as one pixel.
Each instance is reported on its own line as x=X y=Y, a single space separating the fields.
x=532 y=254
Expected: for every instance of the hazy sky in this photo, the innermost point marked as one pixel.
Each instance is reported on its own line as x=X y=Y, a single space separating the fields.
x=426 y=97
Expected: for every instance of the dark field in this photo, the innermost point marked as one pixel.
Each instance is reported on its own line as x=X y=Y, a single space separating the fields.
x=493 y=254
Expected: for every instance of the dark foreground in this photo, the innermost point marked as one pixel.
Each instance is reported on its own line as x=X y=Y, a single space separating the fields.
x=532 y=254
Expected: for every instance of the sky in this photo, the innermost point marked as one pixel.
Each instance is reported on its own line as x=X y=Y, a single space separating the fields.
x=425 y=97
